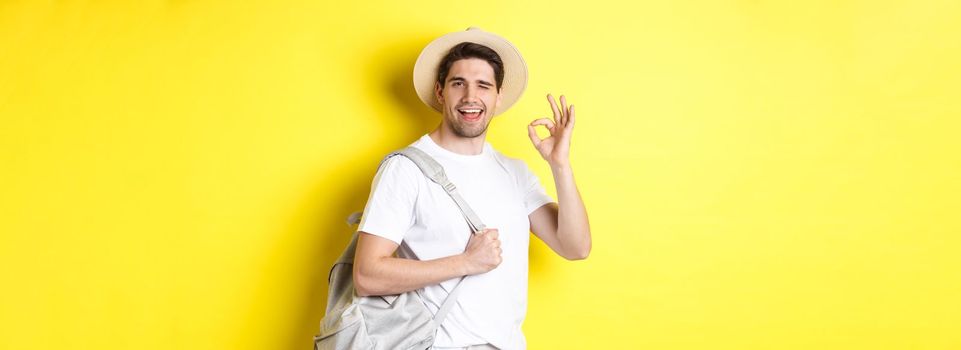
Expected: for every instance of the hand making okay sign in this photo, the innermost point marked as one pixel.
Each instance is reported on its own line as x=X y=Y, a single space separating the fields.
x=555 y=149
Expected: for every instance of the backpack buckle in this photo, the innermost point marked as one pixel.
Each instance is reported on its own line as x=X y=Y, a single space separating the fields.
x=449 y=187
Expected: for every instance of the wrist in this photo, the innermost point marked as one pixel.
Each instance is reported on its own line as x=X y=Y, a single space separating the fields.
x=462 y=264
x=560 y=167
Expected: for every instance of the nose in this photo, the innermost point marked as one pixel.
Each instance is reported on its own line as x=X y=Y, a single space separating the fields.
x=471 y=94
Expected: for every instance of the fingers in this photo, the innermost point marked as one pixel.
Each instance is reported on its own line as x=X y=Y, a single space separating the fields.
x=495 y=243
x=484 y=251
x=570 y=124
x=564 y=111
x=557 y=113
x=532 y=129
x=544 y=121
x=533 y=135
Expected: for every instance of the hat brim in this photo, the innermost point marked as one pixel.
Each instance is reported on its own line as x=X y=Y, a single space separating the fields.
x=515 y=69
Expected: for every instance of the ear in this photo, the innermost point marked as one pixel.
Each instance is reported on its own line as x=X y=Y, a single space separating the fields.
x=438 y=93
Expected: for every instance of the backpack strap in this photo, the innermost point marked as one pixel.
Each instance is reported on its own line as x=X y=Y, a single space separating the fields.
x=435 y=172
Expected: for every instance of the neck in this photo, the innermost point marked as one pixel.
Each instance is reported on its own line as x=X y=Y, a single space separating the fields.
x=447 y=139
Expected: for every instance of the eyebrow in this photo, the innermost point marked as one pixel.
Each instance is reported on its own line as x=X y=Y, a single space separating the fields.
x=479 y=81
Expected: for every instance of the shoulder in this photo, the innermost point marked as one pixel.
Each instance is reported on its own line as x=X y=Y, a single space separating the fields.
x=398 y=169
x=397 y=161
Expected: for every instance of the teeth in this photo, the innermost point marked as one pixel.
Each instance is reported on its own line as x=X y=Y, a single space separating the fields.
x=470 y=110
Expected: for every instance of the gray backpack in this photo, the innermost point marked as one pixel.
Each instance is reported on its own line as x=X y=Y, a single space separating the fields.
x=392 y=321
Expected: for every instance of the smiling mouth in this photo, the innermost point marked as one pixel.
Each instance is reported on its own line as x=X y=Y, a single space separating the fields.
x=470 y=114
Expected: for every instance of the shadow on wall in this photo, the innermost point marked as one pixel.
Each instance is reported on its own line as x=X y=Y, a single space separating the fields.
x=393 y=64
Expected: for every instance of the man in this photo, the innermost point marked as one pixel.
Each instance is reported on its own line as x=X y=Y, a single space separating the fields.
x=470 y=77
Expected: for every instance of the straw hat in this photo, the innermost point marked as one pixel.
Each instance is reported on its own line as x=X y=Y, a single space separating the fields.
x=515 y=70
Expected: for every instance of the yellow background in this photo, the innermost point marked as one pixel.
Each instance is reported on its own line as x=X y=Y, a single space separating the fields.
x=759 y=174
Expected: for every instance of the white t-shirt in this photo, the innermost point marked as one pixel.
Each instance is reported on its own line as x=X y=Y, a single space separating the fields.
x=408 y=208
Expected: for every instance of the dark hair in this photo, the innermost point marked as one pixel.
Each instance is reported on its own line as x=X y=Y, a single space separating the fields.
x=471 y=50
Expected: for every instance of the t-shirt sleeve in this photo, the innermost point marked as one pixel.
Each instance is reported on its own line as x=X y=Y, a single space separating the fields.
x=534 y=194
x=390 y=208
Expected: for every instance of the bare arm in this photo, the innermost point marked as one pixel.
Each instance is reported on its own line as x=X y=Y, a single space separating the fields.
x=562 y=226
x=377 y=272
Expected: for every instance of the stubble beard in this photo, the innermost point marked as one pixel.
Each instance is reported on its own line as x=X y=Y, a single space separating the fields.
x=462 y=129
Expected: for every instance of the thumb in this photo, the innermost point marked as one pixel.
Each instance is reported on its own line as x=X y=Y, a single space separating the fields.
x=532 y=133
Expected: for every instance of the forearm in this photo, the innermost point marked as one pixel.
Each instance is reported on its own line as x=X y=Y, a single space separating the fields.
x=573 y=229
x=389 y=275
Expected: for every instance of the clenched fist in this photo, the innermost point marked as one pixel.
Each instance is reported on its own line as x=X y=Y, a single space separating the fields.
x=483 y=252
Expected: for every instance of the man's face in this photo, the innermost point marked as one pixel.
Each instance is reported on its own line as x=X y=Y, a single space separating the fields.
x=469 y=97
